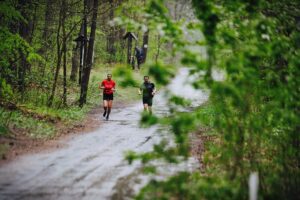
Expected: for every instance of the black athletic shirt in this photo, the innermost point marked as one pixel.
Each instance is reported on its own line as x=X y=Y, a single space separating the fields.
x=147 y=89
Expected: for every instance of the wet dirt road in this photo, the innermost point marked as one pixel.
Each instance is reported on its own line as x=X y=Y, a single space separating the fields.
x=87 y=168
x=92 y=165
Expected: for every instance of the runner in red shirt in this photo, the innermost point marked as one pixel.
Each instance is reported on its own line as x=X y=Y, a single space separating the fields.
x=108 y=86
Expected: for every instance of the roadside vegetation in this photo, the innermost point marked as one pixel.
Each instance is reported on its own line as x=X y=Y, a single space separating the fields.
x=251 y=121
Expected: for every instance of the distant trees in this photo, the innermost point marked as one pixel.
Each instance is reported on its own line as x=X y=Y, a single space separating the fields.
x=42 y=35
x=145 y=45
x=39 y=51
x=62 y=40
x=16 y=34
x=111 y=49
x=75 y=62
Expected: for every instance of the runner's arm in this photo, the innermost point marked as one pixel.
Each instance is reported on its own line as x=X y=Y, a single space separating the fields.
x=101 y=86
x=154 y=90
x=114 y=88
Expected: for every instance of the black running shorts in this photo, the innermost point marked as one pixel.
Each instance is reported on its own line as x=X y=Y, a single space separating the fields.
x=108 y=97
x=147 y=100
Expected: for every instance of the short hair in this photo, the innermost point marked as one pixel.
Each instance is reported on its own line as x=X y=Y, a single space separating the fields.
x=146 y=76
x=109 y=74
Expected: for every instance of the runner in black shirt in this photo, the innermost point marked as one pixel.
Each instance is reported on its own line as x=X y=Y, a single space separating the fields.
x=148 y=90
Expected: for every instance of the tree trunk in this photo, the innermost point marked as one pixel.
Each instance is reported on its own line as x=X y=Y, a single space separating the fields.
x=65 y=74
x=121 y=33
x=145 y=45
x=158 y=48
x=111 y=35
x=81 y=63
x=64 y=53
x=83 y=48
x=129 y=49
x=25 y=32
x=32 y=22
x=77 y=57
x=75 y=63
x=47 y=30
x=59 y=55
x=21 y=74
x=89 y=60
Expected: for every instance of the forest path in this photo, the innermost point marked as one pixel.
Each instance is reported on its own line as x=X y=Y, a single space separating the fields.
x=91 y=165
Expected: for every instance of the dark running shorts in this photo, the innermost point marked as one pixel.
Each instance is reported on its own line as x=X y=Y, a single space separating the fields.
x=108 y=97
x=147 y=101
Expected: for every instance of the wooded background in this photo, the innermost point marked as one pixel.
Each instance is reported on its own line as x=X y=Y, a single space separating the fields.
x=40 y=59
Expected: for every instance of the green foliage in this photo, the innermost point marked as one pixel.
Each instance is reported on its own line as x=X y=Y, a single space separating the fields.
x=161 y=73
x=206 y=114
x=253 y=113
x=189 y=186
x=44 y=125
x=12 y=48
x=4 y=123
x=27 y=63
x=3 y=149
x=148 y=120
x=252 y=100
x=179 y=101
x=5 y=90
x=126 y=76
x=8 y=13
x=38 y=128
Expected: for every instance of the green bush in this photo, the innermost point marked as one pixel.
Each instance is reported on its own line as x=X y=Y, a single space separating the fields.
x=254 y=111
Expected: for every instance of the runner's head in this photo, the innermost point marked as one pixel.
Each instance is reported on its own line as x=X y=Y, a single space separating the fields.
x=146 y=79
x=109 y=77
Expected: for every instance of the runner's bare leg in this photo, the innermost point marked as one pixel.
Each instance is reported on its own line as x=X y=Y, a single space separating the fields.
x=146 y=108
x=150 y=109
x=105 y=105
x=109 y=108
